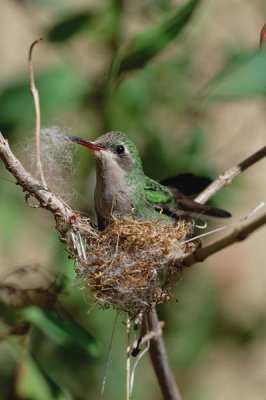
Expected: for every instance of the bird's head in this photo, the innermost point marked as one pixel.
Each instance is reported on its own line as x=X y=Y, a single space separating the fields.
x=113 y=150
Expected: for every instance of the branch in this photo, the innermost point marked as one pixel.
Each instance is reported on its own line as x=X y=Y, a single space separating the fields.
x=227 y=177
x=33 y=187
x=159 y=358
x=238 y=234
x=128 y=363
x=242 y=231
x=36 y=100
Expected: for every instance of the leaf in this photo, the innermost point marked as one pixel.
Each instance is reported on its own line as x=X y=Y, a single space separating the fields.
x=148 y=44
x=33 y=382
x=59 y=88
x=243 y=76
x=63 y=332
x=70 y=26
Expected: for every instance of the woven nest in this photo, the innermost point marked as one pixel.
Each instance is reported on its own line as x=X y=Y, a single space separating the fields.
x=130 y=265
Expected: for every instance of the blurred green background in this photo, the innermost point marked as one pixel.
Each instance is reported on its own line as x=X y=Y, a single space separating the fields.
x=186 y=81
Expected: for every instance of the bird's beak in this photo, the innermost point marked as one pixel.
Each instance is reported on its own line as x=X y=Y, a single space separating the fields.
x=85 y=143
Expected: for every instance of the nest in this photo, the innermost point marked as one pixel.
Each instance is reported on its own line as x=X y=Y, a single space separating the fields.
x=130 y=265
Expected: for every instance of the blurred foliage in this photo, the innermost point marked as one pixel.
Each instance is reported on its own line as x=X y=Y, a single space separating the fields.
x=69 y=27
x=60 y=87
x=242 y=77
x=35 y=384
x=146 y=82
x=62 y=331
x=147 y=45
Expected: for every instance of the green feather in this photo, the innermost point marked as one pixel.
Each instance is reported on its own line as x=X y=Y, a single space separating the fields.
x=156 y=193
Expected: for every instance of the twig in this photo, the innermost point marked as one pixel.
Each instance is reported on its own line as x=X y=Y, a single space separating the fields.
x=47 y=199
x=238 y=234
x=159 y=358
x=36 y=100
x=139 y=357
x=109 y=353
x=128 y=377
x=146 y=337
x=227 y=177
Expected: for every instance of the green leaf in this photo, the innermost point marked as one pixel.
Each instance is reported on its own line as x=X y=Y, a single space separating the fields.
x=63 y=332
x=244 y=76
x=59 y=88
x=70 y=26
x=33 y=382
x=148 y=44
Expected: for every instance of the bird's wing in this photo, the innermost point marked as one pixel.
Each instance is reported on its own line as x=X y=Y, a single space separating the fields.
x=174 y=203
x=187 y=183
x=156 y=194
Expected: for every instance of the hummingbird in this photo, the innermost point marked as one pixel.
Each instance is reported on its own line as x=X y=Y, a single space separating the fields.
x=122 y=188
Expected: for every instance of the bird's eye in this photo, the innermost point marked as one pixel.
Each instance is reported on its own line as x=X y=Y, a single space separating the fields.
x=120 y=149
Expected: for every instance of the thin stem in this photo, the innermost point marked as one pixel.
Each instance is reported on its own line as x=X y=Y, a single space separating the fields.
x=159 y=358
x=128 y=375
x=238 y=234
x=135 y=366
x=36 y=100
x=227 y=177
x=108 y=361
x=47 y=199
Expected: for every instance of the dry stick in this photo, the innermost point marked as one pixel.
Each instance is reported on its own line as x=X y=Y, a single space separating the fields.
x=128 y=370
x=227 y=177
x=238 y=234
x=108 y=361
x=159 y=358
x=47 y=199
x=157 y=347
x=36 y=100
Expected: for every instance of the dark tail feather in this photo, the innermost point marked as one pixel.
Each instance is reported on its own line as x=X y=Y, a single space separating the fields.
x=192 y=207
